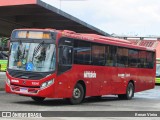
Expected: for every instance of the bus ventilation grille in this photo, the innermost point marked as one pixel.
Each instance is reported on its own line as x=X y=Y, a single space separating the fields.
x=26 y=75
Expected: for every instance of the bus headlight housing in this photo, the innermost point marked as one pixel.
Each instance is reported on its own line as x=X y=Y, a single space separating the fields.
x=47 y=83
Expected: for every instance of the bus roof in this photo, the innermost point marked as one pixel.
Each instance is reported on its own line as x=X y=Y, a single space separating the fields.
x=103 y=39
x=154 y=44
x=94 y=38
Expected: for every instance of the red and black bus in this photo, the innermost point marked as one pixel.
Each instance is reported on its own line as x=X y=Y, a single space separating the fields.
x=49 y=63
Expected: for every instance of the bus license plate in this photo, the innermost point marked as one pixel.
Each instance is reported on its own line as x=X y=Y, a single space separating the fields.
x=24 y=90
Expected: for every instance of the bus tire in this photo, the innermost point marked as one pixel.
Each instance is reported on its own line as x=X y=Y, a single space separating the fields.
x=38 y=99
x=129 y=92
x=77 y=94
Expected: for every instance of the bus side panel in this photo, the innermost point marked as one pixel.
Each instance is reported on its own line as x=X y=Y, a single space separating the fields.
x=102 y=82
x=67 y=81
x=150 y=78
x=90 y=75
x=119 y=82
x=135 y=76
x=80 y=72
x=108 y=80
x=110 y=74
x=145 y=79
x=142 y=76
x=124 y=75
x=97 y=80
x=63 y=88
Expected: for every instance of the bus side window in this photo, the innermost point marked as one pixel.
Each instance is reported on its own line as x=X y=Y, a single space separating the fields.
x=65 y=55
x=122 y=57
x=65 y=58
x=133 y=58
x=82 y=52
x=150 y=59
x=98 y=55
x=142 y=59
x=111 y=56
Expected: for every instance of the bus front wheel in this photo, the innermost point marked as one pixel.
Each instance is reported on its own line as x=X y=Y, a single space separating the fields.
x=38 y=99
x=129 y=92
x=77 y=94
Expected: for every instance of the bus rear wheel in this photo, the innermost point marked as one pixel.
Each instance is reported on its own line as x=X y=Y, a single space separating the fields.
x=38 y=99
x=77 y=94
x=129 y=92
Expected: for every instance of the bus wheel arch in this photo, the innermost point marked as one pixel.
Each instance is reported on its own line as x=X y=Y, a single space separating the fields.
x=78 y=93
x=130 y=89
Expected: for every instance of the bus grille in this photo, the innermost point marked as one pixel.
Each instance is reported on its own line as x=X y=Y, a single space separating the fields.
x=27 y=74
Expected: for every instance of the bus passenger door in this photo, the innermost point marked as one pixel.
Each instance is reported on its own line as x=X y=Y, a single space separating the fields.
x=110 y=71
x=123 y=71
x=121 y=80
x=65 y=60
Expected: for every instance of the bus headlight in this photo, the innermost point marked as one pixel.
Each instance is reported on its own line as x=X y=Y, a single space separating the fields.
x=47 y=83
x=8 y=81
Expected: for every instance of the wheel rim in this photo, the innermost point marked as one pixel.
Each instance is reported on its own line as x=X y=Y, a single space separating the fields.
x=130 y=91
x=76 y=93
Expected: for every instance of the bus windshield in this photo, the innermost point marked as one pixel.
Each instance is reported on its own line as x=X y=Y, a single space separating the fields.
x=37 y=57
x=157 y=70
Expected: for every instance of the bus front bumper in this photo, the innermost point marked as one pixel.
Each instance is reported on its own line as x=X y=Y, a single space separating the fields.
x=29 y=91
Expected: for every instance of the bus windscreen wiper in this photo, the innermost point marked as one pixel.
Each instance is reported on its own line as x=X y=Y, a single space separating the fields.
x=36 y=49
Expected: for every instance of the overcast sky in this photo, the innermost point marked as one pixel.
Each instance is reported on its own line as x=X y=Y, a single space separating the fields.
x=124 y=17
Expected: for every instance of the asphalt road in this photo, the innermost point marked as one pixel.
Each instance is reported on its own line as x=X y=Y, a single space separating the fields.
x=147 y=100
x=143 y=101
